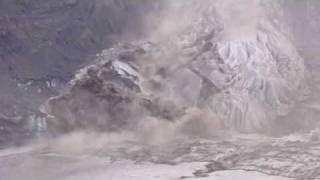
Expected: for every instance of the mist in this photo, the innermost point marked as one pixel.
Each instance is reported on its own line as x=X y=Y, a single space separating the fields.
x=231 y=83
x=205 y=69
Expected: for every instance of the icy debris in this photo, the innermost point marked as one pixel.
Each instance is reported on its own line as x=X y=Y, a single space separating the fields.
x=37 y=124
x=125 y=70
x=24 y=86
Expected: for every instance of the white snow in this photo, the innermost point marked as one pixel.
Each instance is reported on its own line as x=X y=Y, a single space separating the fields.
x=127 y=170
x=124 y=69
x=240 y=175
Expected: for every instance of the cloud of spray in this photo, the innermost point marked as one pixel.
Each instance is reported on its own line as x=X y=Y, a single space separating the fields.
x=150 y=134
x=177 y=28
x=239 y=18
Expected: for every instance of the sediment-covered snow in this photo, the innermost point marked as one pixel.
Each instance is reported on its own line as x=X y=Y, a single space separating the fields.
x=241 y=157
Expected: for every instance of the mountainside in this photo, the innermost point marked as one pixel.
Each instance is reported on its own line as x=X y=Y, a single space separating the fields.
x=236 y=74
x=168 y=89
x=241 y=69
x=42 y=44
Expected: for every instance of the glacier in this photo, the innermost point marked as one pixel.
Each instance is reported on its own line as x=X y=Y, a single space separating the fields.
x=245 y=77
x=224 y=89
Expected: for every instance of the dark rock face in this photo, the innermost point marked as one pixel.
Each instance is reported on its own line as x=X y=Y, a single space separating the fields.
x=42 y=43
x=303 y=18
x=107 y=97
x=101 y=98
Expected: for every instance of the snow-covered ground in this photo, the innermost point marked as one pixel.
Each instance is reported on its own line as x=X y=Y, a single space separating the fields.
x=238 y=158
x=103 y=169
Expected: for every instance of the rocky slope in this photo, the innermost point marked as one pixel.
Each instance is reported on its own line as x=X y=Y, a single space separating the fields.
x=42 y=43
x=237 y=74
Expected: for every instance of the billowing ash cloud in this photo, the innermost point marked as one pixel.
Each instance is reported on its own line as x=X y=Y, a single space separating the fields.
x=203 y=68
